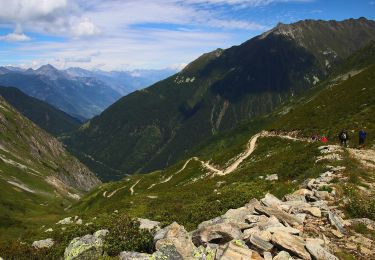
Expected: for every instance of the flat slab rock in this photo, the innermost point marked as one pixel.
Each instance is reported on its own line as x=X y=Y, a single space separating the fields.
x=280 y=215
x=319 y=252
x=291 y=243
x=234 y=251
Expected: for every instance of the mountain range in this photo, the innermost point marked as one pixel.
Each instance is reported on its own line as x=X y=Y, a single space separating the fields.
x=155 y=127
x=78 y=92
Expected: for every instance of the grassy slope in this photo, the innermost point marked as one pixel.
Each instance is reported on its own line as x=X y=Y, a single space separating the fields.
x=27 y=156
x=44 y=115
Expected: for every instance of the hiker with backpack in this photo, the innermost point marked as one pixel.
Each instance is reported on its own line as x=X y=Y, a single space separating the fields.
x=362 y=138
x=344 y=137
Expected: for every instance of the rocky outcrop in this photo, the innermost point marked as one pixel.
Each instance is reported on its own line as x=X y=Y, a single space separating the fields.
x=86 y=247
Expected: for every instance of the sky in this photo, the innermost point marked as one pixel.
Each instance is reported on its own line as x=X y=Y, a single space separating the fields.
x=146 y=34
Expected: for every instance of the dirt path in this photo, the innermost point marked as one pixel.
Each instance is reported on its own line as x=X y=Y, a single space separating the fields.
x=132 y=187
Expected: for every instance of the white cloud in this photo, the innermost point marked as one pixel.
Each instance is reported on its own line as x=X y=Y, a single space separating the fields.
x=15 y=37
x=85 y=28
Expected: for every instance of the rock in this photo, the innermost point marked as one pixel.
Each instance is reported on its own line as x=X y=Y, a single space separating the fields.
x=260 y=243
x=46 y=243
x=267 y=256
x=79 y=222
x=319 y=252
x=283 y=256
x=289 y=230
x=337 y=222
x=235 y=250
x=359 y=239
x=318 y=241
x=323 y=195
x=86 y=247
x=148 y=224
x=269 y=222
x=220 y=233
x=292 y=197
x=272 y=177
x=255 y=218
x=248 y=232
x=270 y=200
x=208 y=252
x=315 y=211
x=351 y=246
x=337 y=233
x=292 y=243
x=169 y=251
x=280 y=215
x=364 y=221
x=175 y=235
x=49 y=230
x=65 y=221
x=365 y=250
x=134 y=256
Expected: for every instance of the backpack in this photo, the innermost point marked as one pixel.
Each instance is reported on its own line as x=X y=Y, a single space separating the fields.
x=343 y=136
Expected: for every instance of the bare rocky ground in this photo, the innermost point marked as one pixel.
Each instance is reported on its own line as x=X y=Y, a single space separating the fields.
x=306 y=224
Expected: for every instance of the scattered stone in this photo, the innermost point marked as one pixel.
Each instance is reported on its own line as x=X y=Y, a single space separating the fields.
x=134 y=256
x=65 y=221
x=269 y=200
x=337 y=222
x=315 y=211
x=79 y=222
x=46 y=243
x=279 y=214
x=319 y=252
x=148 y=224
x=337 y=233
x=283 y=256
x=236 y=251
x=351 y=246
x=260 y=243
x=49 y=230
x=365 y=250
x=291 y=243
x=168 y=251
x=324 y=195
x=220 y=233
x=272 y=177
x=267 y=256
x=289 y=230
x=175 y=235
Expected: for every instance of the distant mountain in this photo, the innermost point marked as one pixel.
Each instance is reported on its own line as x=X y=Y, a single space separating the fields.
x=153 y=128
x=49 y=118
x=124 y=82
x=38 y=178
x=81 y=97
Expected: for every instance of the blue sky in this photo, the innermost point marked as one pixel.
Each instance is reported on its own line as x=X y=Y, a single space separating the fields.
x=128 y=34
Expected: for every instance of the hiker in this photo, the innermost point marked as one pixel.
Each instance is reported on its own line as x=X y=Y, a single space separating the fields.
x=362 y=138
x=344 y=137
x=315 y=138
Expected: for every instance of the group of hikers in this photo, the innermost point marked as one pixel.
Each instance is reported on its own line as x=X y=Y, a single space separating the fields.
x=344 y=138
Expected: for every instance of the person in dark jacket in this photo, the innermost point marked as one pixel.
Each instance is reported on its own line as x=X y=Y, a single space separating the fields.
x=344 y=137
x=362 y=138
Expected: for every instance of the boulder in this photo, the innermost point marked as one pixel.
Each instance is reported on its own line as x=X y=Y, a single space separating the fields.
x=267 y=256
x=176 y=236
x=314 y=211
x=217 y=233
x=318 y=252
x=148 y=224
x=269 y=222
x=46 y=243
x=86 y=247
x=134 y=256
x=291 y=243
x=289 y=230
x=283 y=256
x=272 y=177
x=238 y=215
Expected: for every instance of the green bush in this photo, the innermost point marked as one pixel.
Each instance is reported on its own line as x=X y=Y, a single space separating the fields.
x=359 y=205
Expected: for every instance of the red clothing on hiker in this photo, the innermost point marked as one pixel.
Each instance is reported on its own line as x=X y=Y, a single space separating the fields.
x=324 y=139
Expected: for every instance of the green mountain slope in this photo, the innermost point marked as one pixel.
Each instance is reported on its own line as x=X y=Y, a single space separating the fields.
x=42 y=114
x=183 y=191
x=38 y=178
x=155 y=127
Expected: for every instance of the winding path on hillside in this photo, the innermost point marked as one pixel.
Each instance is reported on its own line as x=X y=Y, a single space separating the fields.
x=250 y=148
x=132 y=187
